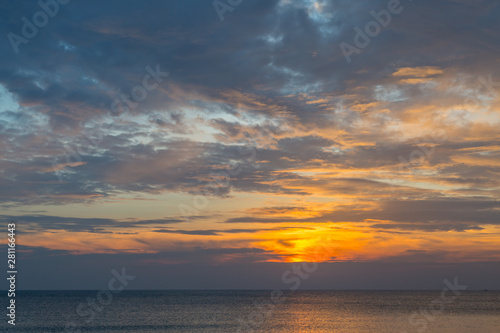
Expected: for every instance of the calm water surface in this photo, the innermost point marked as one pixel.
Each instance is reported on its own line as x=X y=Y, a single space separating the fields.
x=260 y=311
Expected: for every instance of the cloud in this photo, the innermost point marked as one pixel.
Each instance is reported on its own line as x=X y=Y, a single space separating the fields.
x=37 y=223
x=262 y=115
x=418 y=72
x=428 y=215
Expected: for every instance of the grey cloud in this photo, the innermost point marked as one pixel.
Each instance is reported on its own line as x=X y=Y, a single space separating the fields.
x=35 y=223
x=430 y=215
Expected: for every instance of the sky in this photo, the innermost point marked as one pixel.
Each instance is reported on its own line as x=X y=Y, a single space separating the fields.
x=221 y=144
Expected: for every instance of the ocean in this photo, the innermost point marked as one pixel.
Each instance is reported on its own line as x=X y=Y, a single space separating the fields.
x=255 y=311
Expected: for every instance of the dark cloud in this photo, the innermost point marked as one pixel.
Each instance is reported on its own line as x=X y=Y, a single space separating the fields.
x=429 y=215
x=221 y=231
x=89 y=53
x=36 y=223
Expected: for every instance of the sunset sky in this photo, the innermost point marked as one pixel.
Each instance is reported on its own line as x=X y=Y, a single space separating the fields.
x=202 y=152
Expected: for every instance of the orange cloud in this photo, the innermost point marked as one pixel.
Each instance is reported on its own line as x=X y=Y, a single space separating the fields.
x=421 y=72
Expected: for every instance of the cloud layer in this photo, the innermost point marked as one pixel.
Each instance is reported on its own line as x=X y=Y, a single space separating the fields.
x=261 y=121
